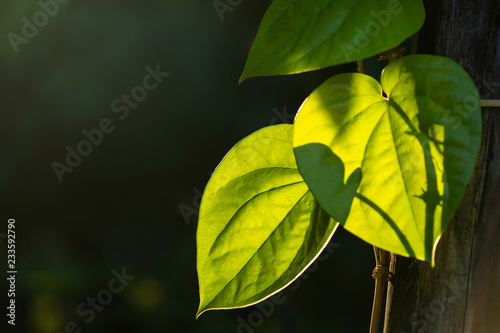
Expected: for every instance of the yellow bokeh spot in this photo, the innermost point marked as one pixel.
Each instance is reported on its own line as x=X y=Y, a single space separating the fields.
x=46 y=314
x=147 y=293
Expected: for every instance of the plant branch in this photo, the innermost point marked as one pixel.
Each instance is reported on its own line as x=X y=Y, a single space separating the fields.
x=381 y=275
x=490 y=103
x=381 y=272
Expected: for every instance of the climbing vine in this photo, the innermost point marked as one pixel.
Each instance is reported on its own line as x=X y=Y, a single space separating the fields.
x=387 y=157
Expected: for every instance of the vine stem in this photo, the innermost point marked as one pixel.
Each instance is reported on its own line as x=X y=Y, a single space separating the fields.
x=381 y=275
x=382 y=260
x=381 y=272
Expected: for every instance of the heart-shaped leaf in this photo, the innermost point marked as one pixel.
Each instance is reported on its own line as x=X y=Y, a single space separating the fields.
x=416 y=148
x=302 y=35
x=259 y=225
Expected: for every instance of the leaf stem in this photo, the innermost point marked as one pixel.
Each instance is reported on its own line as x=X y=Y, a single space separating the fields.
x=361 y=66
x=414 y=44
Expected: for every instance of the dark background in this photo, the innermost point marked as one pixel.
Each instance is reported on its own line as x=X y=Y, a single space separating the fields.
x=120 y=207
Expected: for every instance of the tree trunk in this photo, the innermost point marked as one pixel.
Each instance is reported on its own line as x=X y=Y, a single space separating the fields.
x=462 y=293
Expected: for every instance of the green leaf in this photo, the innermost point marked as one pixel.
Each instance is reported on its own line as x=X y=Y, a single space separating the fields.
x=302 y=35
x=259 y=226
x=416 y=149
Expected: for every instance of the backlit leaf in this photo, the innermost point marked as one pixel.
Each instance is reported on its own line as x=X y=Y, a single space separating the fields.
x=416 y=148
x=259 y=226
x=302 y=35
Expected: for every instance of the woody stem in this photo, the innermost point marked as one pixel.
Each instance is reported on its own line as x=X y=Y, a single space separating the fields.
x=380 y=273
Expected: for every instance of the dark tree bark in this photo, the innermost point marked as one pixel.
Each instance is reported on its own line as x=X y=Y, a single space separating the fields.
x=462 y=293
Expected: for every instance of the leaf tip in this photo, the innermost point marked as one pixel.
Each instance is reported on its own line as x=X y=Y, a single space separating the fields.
x=244 y=76
x=432 y=259
x=200 y=311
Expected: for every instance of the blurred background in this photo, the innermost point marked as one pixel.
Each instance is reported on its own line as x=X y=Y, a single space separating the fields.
x=130 y=205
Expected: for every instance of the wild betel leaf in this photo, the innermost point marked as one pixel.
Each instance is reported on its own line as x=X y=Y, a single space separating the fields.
x=302 y=35
x=259 y=225
x=416 y=148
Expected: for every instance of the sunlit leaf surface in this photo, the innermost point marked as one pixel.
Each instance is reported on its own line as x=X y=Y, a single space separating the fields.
x=259 y=226
x=302 y=35
x=415 y=149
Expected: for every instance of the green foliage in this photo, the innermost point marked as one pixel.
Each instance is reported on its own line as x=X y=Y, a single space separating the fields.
x=260 y=226
x=415 y=159
x=390 y=161
x=302 y=35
